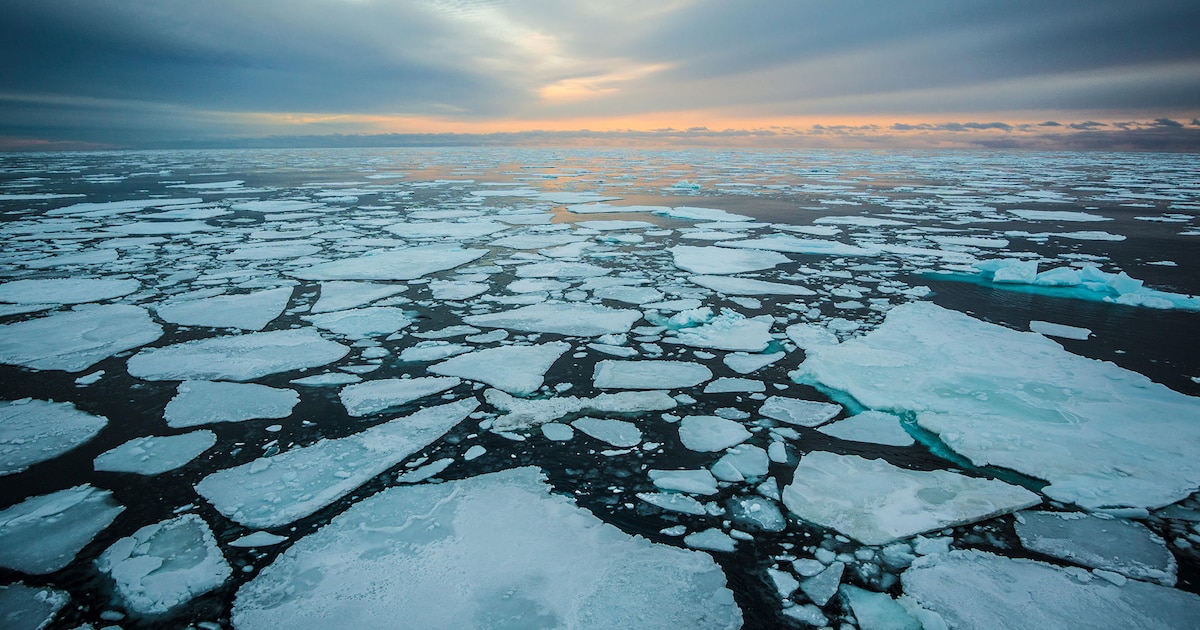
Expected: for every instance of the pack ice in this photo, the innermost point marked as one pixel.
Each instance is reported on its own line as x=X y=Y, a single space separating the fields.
x=237 y=357
x=493 y=551
x=205 y=402
x=249 y=311
x=584 y=320
x=406 y=263
x=1101 y=435
x=34 y=431
x=75 y=340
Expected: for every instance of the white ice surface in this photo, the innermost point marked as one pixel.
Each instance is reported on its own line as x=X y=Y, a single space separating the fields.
x=339 y=295
x=65 y=290
x=976 y=589
x=205 y=402
x=876 y=503
x=728 y=331
x=77 y=339
x=396 y=264
x=615 y=374
x=874 y=427
x=493 y=551
x=788 y=243
x=360 y=323
x=1126 y=547
x=730 y=285
x=166 y=564
x=517 y=370
x=690 y=481
x=154 y=455
x=805 y=413
x=619 y=433
x=701 y=214
x=1051 y=329
x=746 y=363
x=364 y=399
x=1101 y=435
x=521 y=413
x=709 y=434
x=722 y=260
x=29 y=607
x=249 y=311
x=445 y=229
x=42 y=534
x=34 y=431
x=257 y=539
x=236 y=357
x=585 y=320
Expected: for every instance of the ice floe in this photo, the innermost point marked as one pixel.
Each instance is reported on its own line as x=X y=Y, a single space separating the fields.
x=42 y=534
x=584 y=320
x=722 y=260
x=338 y=295
x=371 y=397
x=30 y=607
x=648 y=374
x=249 y=311
x=154 y=455
x=874 y=427
x=490 y=551
x=165 y=565
x=65 y=290
x=876 y=503
x=728 y=331
x=520 y=413
x=75 y=340
x=206 y=402
x=34 y=431
x=360 y=323
x=1109 y=544
x=805 y=413
x=618 y=433
x=709 y=434
x=748 y=286
x=396 y=264
x=276 y=490
x=237 y=357
x=1101 y=435
x=517 y=370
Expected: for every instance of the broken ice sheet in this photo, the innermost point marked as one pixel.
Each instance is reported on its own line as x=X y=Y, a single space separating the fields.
x=276 y=490
x=43 y=534
x=721 y=260
x=360 y=323
x=584 y=320
x=65 y=290
x=518 y=370
x=876 y=503
x=77 y=339
x=236 y=357
x=248 y=311
x=154 y=455
x=364 y=399
x=612 y=374
x=34 y=431
x=486 y=551
x=1110 y=544
x=405 y=263
x=205 y=402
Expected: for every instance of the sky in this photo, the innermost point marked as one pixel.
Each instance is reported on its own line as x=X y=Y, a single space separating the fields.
x=1063 y=74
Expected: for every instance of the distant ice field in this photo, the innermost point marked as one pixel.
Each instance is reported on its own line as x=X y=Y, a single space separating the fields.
x=509 y=388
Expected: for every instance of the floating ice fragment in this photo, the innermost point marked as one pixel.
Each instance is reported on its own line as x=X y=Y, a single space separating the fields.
x=824 y=585
x=1126 y=547
x=728 y=331
x=787 y=243
x=487 y=551
x=878 y=611
x=75 y=340
x=1058 y=215
x=721 y=260
x=360 y=323
x=741 y=463
x=257 y=539
x=43 y=534
x=518 y=370
x=708 y=434
x=364 y=399
x=155 y=454
x=746 y=363
x=618 y=433
x=557 y=432
x=701 y=214
x=446 y=230
x=805 y=413
x=1050 y=329
x=205 y=402
x=522 y=413
x=748 y=286
x=29 y=607
x=614 y=374
x=397 y=264
x=249 y=311
x=65 y=290
x=874 y=427
x=236 y=357
x=877 y=503
x=690 y=481
x=711 y=540
x=342 y=295
x=585 y=320
x=165 y=565
x=34 y=431
x=726 y=385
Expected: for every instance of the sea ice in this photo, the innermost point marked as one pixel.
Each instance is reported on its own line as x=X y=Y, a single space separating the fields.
x=728 y=331
x=257 y=539
x=823 y=586
x=701 y=214
x=726 y=385
x=1058 y=215
x=878 y=611
x=165 y=565
x=521 y=413
x=405 y=263
x=584 y=320
x=876 y=503
x=558 y=432
x=432 y=351
x=813 y=246
x=342 y=295
x=75 y=340
x=618 y=433
x=1051 y=329
x=360 y=323
x=34 y=431
x=249 y=311
x=43 y=534
x=629 y=295
x=742 y=462
x=722 y=260
x=673 y=502
x=711 y=540
x=747 y=286
x=709 y=434
x=1101 y=435
x=517 y=370
x=874 y=427
x=561 y=270
x=154 y=455
x=976 y=589
x=1127 y=547
x=756 y=513
x=29 y=607
x=205 y=402
x=65 y=290
x=497 y=550
x=364 y=399
x=446 y=230
x=690 y=481
x=236 y=357
x=805 y=413
x=615 y=374
x=276 y=490
x=746 y=363
x=450 y=290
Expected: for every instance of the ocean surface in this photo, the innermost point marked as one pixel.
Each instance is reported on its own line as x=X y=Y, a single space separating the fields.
x=546 y=275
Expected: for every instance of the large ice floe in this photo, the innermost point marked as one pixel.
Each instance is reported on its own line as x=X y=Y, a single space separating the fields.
x=584 y=320
x=515 y=369
x=276 y=490
x=65 y=290
x=876 y=503
x=493 y=551
x=249 y=311
x=395 y=264
x=34 y=431
x=153 y=455
x=75 y=340
x=205 y=402
x=1102 y=436
x=237 y=357
x=43 y=534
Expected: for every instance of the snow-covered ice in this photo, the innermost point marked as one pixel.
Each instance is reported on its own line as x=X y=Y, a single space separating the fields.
x=42 y=534
x=728 y=331
x=34 y=431
x=206 y=402
x=249 y=311
x=65 y=290
x=874 y=427
x=276 y=490
x=155 y=455
x=236 y=357
x=497 y=550
x=618 y=433
x=648 y=374
x=364 y=399
x=584 y=320
x=876 y=503
x=708 y=434
x=77 y=339
x=517 y=370
x=805 y=413
x=722 y=260
x=1123 y=546
x=165 y=565
x=1101 y=435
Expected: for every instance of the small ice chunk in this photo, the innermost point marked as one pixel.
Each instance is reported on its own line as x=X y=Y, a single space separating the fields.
x=1126 y=547
x=422 y=473
x=747 y=286
x=811 y=335
x=785 y=583
x=709 y=434
x=360 y=323
x=711 y=540
x=726 y=385
x=876 y=503
x=371 y=397
x=807 y=614
x=673 y=502
x=42 y=534
x=746 y=363
x=452 y=290
x=878 y=611
x=618 y=433
x=741 y=463
x=518 y=370
x=823 y=586
x=629 y=295
x=34 y=431
x=236 y=357
x=331 y=379
x=406 y=263
x=165 y=565
x=557 y=432
x=690 y=481
x=1050 y=329
x=432 y=351
x=728 y=331
x=722 y=260
x=614 y=374
x=341 y=295
x=205 y=402
x=76 y=340
x=874 y=427
x=756 y=513
x=701 y=214
x=155 y=454
x=584 y=320
x=257 y=539
x=523 y=413
x=248 y=311
x=474 y=452
x=805 y=413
